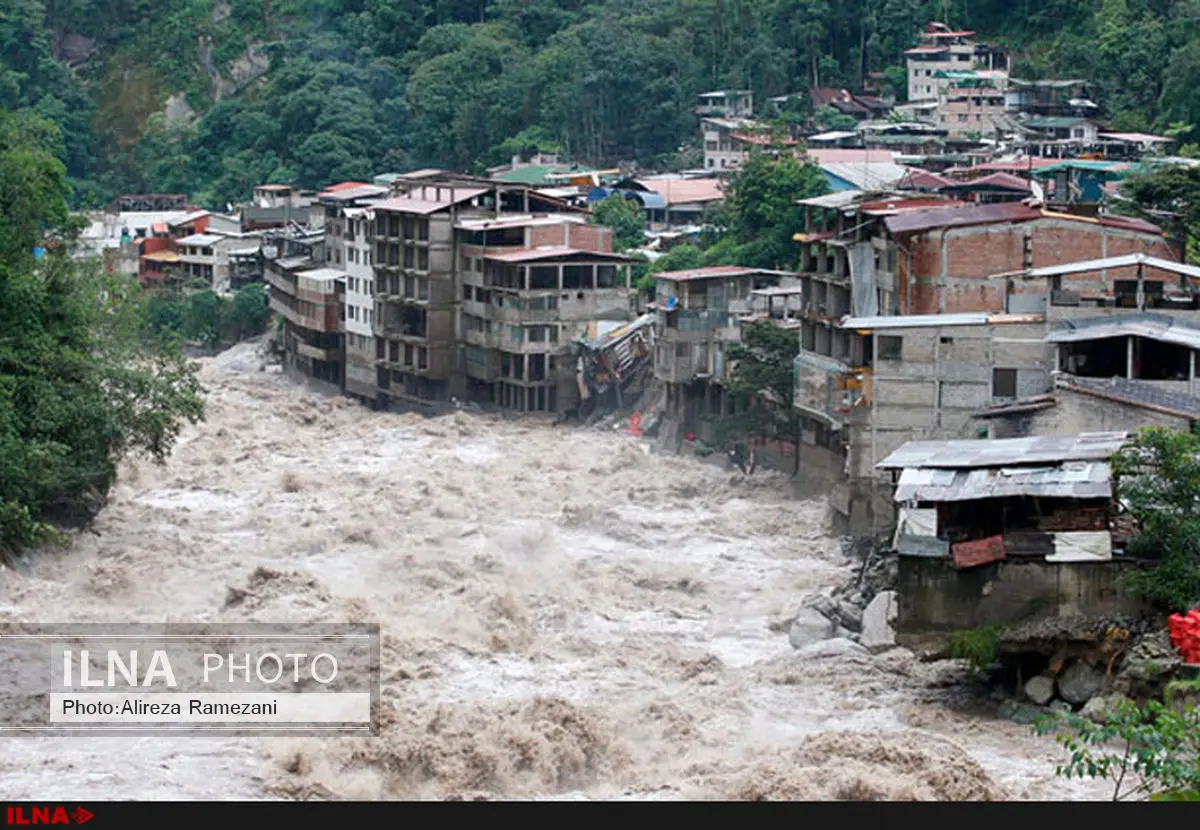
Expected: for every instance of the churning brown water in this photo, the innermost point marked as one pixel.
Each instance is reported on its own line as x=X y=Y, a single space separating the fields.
x=564 y=615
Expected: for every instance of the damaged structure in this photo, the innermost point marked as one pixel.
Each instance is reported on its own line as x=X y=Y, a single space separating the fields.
x=1006 y=532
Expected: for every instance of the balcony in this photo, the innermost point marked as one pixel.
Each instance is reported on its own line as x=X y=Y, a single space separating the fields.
x=827 y=389
x=313 y=352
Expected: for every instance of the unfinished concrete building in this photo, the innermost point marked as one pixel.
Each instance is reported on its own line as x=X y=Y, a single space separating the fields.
x=920 y=377
x=531 y=286
x=699 y=313
x=309 y=300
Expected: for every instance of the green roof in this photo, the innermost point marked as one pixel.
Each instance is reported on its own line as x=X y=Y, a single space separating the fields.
x=1053 y=123
x=532 y=174
x=1075 y=164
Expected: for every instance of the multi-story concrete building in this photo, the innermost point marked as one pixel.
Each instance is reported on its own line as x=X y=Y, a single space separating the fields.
x=309 y=298
x=944 y=51
x=903 y=378
x=728 y=142
x=971 y=104
x=531 y=287
x=343 y=212
x=730 y=103
x=416 y=294
x=699 y=313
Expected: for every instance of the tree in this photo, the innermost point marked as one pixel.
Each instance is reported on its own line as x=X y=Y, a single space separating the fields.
x=1174 y=189
x=204 y=318
x=248 y=312
x=626 y=219
x=79 y=388
x=1147 y=753
x=760 y=206
x=1158 y=478
x=761 y=386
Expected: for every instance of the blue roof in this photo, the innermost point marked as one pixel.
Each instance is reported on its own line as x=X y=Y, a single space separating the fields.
x=837 y=183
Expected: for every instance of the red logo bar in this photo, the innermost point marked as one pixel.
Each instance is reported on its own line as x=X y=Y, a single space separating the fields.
x=48 y=814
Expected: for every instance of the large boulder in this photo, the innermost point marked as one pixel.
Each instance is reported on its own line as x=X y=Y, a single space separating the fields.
x=809 y=626
x=827 y=607
x=1080 y=682
x=877 y=621
x=1100 y=708
x=835 y=648
x=1040 y=689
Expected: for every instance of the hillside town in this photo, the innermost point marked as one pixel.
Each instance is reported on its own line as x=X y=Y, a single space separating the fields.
x=978 y=325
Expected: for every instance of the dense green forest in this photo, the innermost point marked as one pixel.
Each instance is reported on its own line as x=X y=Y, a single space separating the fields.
x=210 y=97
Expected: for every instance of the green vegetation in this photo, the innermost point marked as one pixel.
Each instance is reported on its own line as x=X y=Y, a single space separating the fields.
x=310 y=91
x=755 y=223
x=79 y=387
x=1158 y=478
x=625 y=218
x=207 y=318
x=1146 y=752
x=977 y=645
x=760 y=387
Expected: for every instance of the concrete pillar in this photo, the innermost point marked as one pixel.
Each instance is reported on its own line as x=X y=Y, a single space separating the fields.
x=525 y=271
x=1129 y=357
x=1191 y=371
x=560 y=278
x=595 y=276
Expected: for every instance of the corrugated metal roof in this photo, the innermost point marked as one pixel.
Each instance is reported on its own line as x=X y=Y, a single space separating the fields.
x=921 y=321
x=718 y=271
x=1089 y=265
x=924 y=220
x=323 y=274
x=870 y=175
x=1158 y=327
x=200 y=240
x=1005 y=452
x=840 y=199
x=1134 y=393
x=1070 y=480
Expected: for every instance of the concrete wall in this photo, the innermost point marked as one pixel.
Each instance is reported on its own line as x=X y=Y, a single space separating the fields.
x=1077 y=412
x=944 y=375
x=935 y=597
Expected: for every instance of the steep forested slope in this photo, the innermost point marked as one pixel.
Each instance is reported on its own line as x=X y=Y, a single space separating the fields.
x=212 y=96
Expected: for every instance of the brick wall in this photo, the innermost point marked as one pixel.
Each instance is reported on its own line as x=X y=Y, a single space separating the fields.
x=956 y=278
x=540 y=235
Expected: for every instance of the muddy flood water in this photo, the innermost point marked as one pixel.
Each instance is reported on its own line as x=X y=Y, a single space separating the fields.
x=564 y=615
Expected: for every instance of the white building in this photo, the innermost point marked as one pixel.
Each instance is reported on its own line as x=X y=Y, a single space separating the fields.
x=944 y=51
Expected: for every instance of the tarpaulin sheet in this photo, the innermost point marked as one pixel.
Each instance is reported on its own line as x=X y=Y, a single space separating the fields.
x=979 y=552
x=863 y=294
x=1079 y=546
x=917 y=521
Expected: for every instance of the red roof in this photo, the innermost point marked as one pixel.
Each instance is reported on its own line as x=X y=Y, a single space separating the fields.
x=996 y=181
x=334 y=188
x=922 y=180
x=554 y=252
x=924 y=220
x=899 y=205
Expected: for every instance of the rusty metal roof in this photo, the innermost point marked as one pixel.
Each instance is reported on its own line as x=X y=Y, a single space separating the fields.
x=1005 y=452
x=924 y=220
x=1070 y=480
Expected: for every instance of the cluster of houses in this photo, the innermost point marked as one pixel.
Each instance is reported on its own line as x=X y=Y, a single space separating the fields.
x=964 y=285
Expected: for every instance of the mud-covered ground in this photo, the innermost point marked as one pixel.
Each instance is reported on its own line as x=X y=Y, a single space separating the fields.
x=564 y=615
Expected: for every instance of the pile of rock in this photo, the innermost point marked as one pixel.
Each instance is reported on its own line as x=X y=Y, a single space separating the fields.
x=824 y=617
x=1076 y=686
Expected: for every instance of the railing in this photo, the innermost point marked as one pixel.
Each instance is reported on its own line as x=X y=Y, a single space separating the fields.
x=827 y=388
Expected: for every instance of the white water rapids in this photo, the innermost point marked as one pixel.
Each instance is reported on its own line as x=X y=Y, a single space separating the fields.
x=564 y=615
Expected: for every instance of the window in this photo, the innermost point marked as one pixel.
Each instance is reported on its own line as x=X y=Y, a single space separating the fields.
x=946 y=341
x=1004 y=383
x=890 y=348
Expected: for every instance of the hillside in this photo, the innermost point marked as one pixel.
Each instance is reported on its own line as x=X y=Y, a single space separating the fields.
x=210 y=97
